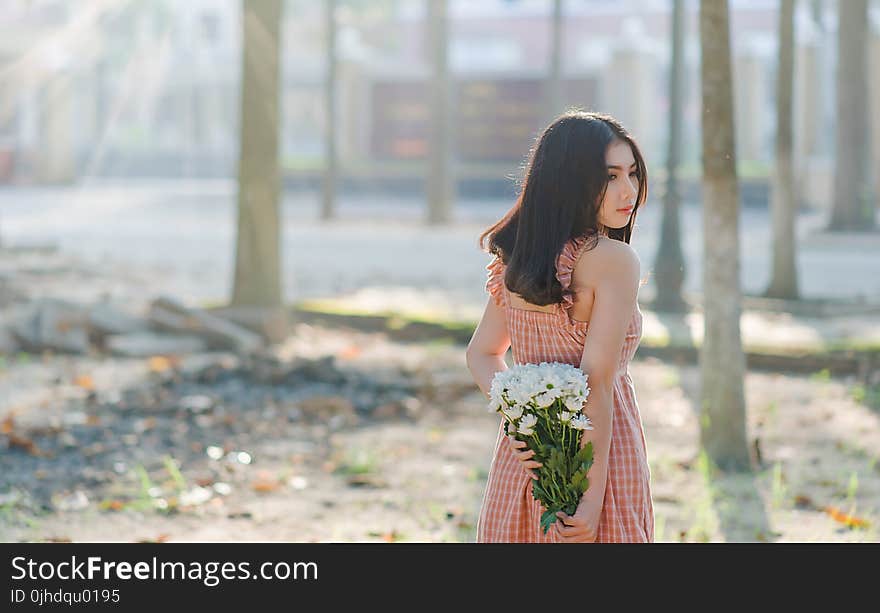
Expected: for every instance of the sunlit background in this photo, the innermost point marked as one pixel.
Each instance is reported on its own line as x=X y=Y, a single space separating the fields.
x=127 y=88
x=120 y=115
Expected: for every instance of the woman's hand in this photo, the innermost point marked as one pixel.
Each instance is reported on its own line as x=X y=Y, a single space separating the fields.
x=582 y=527
x=523 y=456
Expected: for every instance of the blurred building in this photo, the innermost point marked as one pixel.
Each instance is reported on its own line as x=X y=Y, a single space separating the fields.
x=128 y=88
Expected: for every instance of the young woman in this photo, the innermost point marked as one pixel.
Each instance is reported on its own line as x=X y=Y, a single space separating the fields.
x=563 y=288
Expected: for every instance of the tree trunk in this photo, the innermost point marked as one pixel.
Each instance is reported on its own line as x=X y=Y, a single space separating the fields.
x=853 y=206
x=440 y=188
x=554 y=77
x=784 y=280
x=328 y=208
x=816 y=13
x=669 y=262
x=257 y=259
x=722 y=363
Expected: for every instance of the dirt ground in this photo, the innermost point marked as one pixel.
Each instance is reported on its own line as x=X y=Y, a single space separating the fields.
x=421 y=478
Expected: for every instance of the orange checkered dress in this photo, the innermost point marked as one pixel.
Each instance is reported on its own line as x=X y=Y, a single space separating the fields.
x=509 y=513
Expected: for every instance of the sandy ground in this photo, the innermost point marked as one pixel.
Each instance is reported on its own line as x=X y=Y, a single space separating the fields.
x=422 y=479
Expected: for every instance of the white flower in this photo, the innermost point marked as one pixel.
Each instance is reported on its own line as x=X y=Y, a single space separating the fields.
x=574 y=403
x=523 y=386
x=546 y=398
x=581 y=422
x=513 y=413
x=564 y=416
x=527 y=423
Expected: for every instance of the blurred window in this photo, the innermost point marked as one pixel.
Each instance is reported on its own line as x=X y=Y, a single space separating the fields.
x=485 y=54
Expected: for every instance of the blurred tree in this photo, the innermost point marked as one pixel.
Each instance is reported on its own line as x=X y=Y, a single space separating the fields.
x=784 y=279
x=440 y=187
x=722 y=363
x=554 y=77
x=816 y=11
x=257 y=279
x=854 y=207
x=328 y=208
x=669 y=262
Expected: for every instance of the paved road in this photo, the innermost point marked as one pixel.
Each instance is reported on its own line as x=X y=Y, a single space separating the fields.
x=185 y=233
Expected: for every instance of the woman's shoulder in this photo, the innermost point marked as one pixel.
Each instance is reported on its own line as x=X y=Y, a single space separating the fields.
x=609 y=258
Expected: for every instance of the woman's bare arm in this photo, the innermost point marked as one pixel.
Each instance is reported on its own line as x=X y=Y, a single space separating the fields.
x=485 y=352
x=614 y=272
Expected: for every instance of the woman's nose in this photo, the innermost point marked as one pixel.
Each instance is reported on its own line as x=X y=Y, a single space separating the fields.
x=630 y=190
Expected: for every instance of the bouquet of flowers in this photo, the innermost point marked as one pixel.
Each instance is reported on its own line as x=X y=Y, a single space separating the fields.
x=542 y=405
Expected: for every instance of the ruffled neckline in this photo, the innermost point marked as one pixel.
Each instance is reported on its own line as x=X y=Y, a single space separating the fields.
x=565 y=263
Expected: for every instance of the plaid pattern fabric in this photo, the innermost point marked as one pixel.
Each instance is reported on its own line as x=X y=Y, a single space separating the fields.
x=509 y=512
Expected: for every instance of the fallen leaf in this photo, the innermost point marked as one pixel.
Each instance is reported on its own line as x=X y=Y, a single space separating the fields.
x=803 y=502
x=264 y=486
x=366 y=480
x=159 y=539
x=265 y=482
x=350 y=352
x=848 y=520
x=7 y=425
x=25 y=443
x=390 y=537
x=111 y=505
x=85 y=381
x=159 y=363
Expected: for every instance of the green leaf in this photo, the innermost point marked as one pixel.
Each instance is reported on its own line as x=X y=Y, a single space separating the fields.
x=585 y=486
x=538 y=490
x=548 y=518
x=585 y=454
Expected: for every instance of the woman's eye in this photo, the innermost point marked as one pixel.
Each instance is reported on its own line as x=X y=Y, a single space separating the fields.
x=612 y=177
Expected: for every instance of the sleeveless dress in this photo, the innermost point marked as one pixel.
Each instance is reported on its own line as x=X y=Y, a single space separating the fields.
x=509 y=513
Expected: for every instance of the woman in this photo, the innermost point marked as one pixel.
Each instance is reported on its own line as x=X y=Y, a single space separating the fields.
x=563 y=288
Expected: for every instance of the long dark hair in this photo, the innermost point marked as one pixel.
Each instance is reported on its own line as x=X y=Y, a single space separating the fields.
x=561 y=192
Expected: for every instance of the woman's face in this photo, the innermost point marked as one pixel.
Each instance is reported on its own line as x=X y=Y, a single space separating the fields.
x=623 y=186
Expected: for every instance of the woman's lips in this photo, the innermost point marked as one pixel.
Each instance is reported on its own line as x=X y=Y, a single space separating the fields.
x=626 y=210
